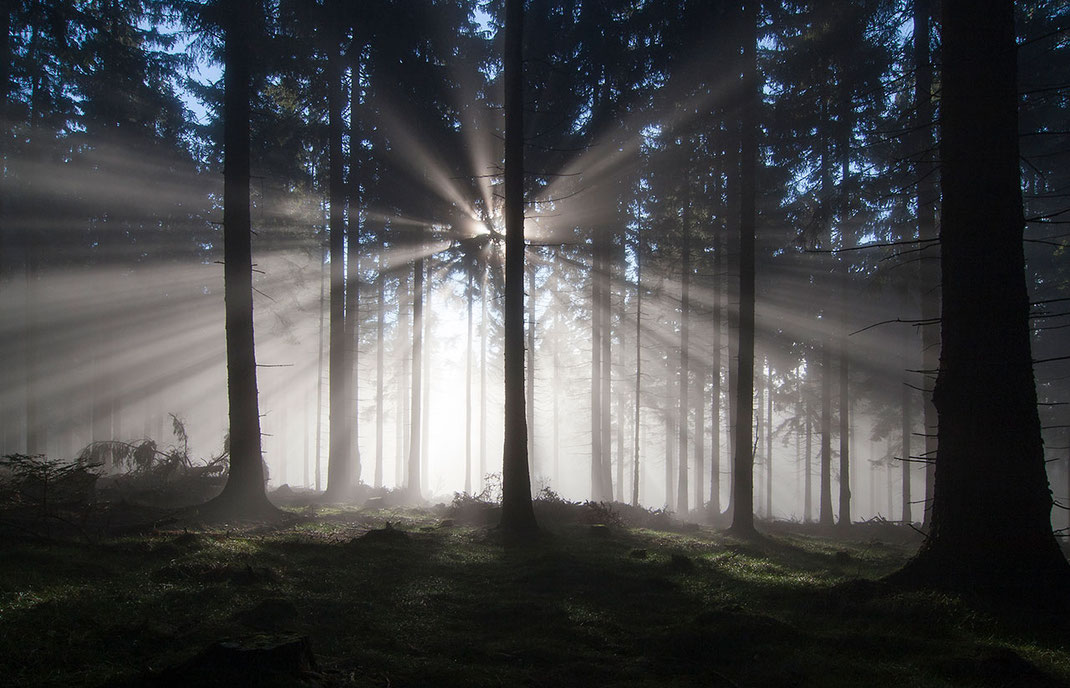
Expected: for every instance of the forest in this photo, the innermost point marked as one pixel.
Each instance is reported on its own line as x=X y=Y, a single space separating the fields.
x=534 y=342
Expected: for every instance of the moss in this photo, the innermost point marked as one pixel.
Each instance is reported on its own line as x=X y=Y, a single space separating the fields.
x=454 y=606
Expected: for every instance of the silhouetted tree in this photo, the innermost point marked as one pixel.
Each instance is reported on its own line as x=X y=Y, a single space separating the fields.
x=991 y=521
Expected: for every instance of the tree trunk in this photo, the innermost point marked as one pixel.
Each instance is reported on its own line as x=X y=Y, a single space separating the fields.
x=927 y=197
x=638 y=362
x=743 y=462
x=483 y=378
x=243 y=493
x=412 y=478
x=319 y=376
x=517 y=514
x=808 y=500
x=715 y=394
x=468 y=387
x=685 y=317
x=425 y=397
x=380 y=355
x=352 y=284
x=908 y=426
x=825 y=507
x=769 y=442
x=596 y=374
x=991 y=515
x=338 y=459
x=530 y=369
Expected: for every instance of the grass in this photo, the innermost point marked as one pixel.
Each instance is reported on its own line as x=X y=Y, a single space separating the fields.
x=451 y=605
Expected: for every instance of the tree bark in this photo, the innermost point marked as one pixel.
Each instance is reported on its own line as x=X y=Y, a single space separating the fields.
x=518 y=517
x=338 y=458
x=743 y=486
x=412 y=477
x=991 y=515
x=243 y=493
x=685 y=318
x=927 y=198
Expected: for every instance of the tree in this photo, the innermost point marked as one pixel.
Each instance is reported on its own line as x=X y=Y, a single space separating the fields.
x=990 y=525
x=743 y=461
x=243 y=493
x=518 y=516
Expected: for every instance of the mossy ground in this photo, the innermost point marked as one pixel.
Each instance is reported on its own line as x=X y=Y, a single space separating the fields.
x=452 y=605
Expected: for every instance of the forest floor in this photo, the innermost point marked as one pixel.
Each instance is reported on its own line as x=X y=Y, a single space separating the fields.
x=408 y=597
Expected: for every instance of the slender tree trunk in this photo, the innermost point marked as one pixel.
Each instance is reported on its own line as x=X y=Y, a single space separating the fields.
x=425 y=397
x=380 y=355
x=352 y=284
x=845 y=437
x=685 y=317
x=530 y=369
x=743 y=487
x=715 y=394
x=468 y=387
x=908 y=426
x=638 y=363
x=338 y=459
x=769 y=442
x=607 y=370
x=483 y=379
x=991 y=516
x=808 y=486
x=319 y=373
x=557 y=379
x=596 y=373
x=413 y=480
x=700 y=438
x=517 y=513
x=244 y=490
x=825 y=507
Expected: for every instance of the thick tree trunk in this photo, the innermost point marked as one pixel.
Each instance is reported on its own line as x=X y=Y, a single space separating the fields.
x=715 y=394
x=927 y=197
x=845 y=438
x=530 y=369
x=808 y=499
x=243 y=493
x=991 y=515
x=518 y=517
x=743 y=485
x=596 y=374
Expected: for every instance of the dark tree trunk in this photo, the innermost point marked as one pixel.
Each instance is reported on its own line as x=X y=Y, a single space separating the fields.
x=243 y=493
x=596 y=374
x=991 y=515
x=319 y=377
x=825 y=506
x=685 y=317
x=808 y=486
x=412 y=478
x=530 y=369
x=908 y=427
x=483 y=377
x=927 y=197
x=380 y=354
x=845 y=438
x=743 y=462
x=468 y=387
x=769 y=444
x=338 y=457
x=715 y=394
x=517 y=513
x=638 y=362
x=352 y=319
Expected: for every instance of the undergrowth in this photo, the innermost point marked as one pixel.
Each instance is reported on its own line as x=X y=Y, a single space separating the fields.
x=426 y=599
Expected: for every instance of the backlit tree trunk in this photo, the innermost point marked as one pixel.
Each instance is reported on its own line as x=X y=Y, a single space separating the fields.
x=243 y=493
x=517 y=513
x=991 y=527
x=743 y=461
